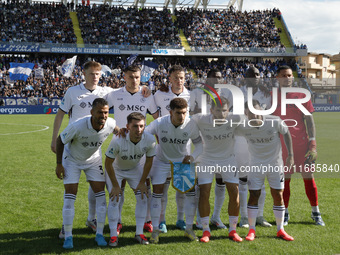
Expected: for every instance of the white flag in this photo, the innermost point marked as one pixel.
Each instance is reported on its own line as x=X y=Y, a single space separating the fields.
x=106 y=71
x=67 y=68
x=39 y=73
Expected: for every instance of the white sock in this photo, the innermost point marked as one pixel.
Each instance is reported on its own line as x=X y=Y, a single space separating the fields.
x=243 y=191
x=252 y=213
x=101 y=211
x=148 y=211
x=92 y=204
x=164 y=200
x=68 y=213
x=121 y=203
x=156 y=209
x=219 y=199
x=261 y=201
x=113 y=216
x=232 y=223
x=190 y=208
x=315 y=209
x=140 y=212
x=205 y=223
x=180 y=205
x=279 y=212
x=197 y=192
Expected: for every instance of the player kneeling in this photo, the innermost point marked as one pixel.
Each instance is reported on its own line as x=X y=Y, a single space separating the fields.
x=263 y=136
x=124 y=160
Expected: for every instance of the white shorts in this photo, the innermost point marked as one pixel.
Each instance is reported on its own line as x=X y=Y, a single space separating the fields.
x=94 y=171
x=275 y=179
x=132 y=176
x=206 y=170
x=159 y=172
x=241 y=153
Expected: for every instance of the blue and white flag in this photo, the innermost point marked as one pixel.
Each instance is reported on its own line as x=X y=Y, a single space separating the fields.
x=131 y=59
x=106 y=71
x=20 y=71
x=183 y=176
x=148 y=67
x=67 y=68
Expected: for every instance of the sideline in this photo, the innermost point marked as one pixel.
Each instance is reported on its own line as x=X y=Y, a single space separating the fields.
x=26 y=132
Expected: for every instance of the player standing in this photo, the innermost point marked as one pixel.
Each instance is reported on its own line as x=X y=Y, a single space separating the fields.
x=304 y=144
x=174 y=131
x=126 y=100
x=123 y=161
x=218 y=153
x=263 y=137
x=162 y=99
x=83 y=140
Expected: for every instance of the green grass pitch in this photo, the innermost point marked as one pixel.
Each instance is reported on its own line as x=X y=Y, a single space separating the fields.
x=31 y=199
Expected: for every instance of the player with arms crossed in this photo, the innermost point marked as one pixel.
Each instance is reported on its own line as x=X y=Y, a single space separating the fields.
x=174 y=131
x=218 y=153
x=126 y=100
x=263 y=137
x=162 y=99
x=123 y=161
x=83 y=140
x=304 y=144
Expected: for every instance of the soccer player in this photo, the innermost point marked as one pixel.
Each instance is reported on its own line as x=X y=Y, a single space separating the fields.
x=304 y=144
x=214 y=77
x=162 y=99
x=77 y=102
x=174 y=131
x=123 y=161
x=263 y=137
x=252 y=80
x=82 y=141
x=218 y=153
x=126 y=100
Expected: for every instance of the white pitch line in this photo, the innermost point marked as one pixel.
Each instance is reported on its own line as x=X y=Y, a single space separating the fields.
x=44 y=128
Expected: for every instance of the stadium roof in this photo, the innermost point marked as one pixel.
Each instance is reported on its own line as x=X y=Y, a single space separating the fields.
x=171 y=4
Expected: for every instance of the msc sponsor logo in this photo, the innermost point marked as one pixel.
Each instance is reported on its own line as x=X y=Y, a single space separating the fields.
x=174 y=141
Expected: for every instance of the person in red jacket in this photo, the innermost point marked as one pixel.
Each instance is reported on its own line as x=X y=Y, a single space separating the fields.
x=304 y=144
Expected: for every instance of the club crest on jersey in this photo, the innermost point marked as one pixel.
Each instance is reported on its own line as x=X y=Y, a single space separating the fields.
x=183 y=176
x=168 y=107
x=85 y=144
x=145 y=149
x=124 y=157
x=164 y=139
x=142 y=100
x=185 y=134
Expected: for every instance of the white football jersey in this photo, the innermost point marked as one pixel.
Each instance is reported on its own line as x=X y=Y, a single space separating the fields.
x=173 y=141
x=218 y=141
x=79 y=99
x=163 y=99
x=83 y=143
x=264 y=142
x=125 y=103
x=196 y=98
x=128 y=155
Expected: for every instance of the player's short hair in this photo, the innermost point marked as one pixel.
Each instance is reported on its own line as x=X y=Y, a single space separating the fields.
x=178 y=103
x=132 y=68
x=211 y=73
x=99 y=102
x=250 y=72
x=135 y=116
x=218 y=103
x=284 y=67
x=176 y=68
x=93 y=64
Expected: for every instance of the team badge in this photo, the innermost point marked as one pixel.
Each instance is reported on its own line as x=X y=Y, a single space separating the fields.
x=82 y=105
x=164 y=139
x=183 y=176
x=124 y=157
x=142 y=100
x=185 y=134
x=122 y=107
x=85 y=144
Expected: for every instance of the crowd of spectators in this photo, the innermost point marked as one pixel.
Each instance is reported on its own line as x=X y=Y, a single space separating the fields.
x=36 y=22
x=54 y=85
x=224 y=30
x=229 y=30
x=102 y=24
